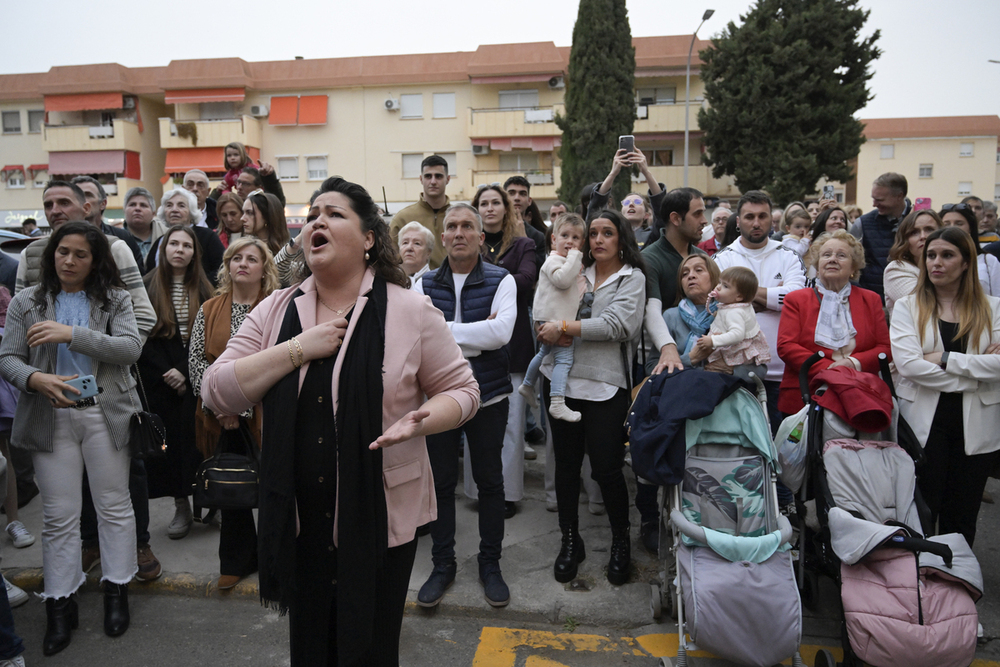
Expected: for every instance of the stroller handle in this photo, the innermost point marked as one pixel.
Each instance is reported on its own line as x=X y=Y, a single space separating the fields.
x=804 y=375
x=883 y=367
x=917 y=544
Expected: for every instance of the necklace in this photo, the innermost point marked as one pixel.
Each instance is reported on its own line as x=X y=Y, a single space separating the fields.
x=328 y=307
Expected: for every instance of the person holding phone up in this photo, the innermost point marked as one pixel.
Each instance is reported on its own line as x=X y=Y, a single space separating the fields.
x=626 y=156
x=77 y=323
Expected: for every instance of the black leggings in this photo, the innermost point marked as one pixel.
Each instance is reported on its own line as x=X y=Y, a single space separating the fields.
x=599 y=434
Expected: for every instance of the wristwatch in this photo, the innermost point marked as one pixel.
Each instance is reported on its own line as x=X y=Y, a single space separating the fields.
x=944 y=361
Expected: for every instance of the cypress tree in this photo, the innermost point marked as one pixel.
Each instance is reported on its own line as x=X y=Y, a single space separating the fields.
x=783 y=89
x=600 y=97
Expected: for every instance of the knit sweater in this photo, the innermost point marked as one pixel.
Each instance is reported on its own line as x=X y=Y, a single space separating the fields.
x=557 y=296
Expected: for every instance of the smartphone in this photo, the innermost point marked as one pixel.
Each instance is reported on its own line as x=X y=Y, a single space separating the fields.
x=626 y=143
x=828 y=192
x=922 y=204
x=87 y=386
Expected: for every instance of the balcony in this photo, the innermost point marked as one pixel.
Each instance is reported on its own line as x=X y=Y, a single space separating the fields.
x=699 y=178
x=538 y=122
x=544 y=182
x=210 y=133
x=116 y=191
x=120 y=135
x=664 y=117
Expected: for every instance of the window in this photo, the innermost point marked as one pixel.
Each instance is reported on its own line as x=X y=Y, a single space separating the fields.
x=888 y=151
x=15 y=179
x=316 y=166
x=996 y=193
x=444 y=105
x=411 y=164
x=452 y=161
x=647 y=96
x=966 y=149
x=35 y=121
x=41 y=179
x=288 y=168
x=217 y=110
x=659 y=157
x=411 y=106
x=964 y=188
x=518 y=99
x=926 y=171
x=12 y=122
x=519 y=161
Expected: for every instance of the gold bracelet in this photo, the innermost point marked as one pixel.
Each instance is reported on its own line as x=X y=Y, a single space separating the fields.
x=291 y=354
x=298 y=348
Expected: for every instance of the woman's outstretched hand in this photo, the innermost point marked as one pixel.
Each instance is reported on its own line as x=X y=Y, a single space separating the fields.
x=407 y=428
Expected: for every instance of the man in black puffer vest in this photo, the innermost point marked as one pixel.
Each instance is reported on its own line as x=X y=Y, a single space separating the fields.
x=479 y=301
x=877 y=229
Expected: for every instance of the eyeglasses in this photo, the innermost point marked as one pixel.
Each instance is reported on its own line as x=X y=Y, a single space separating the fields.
x=483 y=186
x=632 y=200
x=947 y=208
x=586 y=306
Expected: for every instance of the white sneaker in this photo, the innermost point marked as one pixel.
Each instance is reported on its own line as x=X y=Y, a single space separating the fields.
x=15 y=595
x=13 y=662
x=20 y=535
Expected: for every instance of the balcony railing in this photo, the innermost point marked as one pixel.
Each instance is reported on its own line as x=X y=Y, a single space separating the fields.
x=120 y=135
x=534 y=122
x=209 y=133
x=665 y=117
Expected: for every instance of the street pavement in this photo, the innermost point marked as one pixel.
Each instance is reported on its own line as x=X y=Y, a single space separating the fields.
x=545 y=622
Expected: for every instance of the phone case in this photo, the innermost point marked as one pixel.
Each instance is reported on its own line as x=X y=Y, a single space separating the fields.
x=87 y=386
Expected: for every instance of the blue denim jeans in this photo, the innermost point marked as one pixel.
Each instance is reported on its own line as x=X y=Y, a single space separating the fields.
x=560 y=373
x=10 y=644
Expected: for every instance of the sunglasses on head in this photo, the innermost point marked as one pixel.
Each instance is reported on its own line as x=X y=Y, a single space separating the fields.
x=632 y=200
x=955 y=207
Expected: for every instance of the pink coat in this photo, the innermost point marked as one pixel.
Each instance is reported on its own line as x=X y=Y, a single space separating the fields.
x=421 y=358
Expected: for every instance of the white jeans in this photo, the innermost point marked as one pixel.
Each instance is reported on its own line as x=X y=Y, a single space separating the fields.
x=512 y=454
x=81 y=438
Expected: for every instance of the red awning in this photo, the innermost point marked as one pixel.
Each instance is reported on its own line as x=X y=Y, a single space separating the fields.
x=83 y=102
x=197 y=96
x=12 y=167
x=87 y=162
x=35 y=168
x=180 y=160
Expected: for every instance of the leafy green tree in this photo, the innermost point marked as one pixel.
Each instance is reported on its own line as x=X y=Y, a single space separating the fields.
x=783 y=89
x=600 y=97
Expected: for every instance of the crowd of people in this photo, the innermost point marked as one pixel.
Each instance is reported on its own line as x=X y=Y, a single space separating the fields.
x=453 y=327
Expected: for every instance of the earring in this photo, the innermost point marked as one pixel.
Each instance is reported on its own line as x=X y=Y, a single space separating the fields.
x=621 y=255
x=366 y=256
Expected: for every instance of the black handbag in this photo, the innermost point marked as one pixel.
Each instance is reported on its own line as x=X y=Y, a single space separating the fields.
x=229 y=480
x=147 y=436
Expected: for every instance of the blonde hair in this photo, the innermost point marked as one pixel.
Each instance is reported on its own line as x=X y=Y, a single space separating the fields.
x=797 y=214
x=269 y=280
x=743 y=279
x=857 y=250
x=571 y=219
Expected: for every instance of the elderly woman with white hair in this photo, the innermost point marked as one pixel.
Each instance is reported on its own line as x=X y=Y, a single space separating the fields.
x=416 y=243
x=180 y=207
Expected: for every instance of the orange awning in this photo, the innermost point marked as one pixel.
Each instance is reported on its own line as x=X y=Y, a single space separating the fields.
x=312 y=109
x=197 y=96
x=284 y=111
x=83 y=102
x=180 y=160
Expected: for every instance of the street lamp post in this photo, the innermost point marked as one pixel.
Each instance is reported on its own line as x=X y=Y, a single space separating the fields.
x=687 y=95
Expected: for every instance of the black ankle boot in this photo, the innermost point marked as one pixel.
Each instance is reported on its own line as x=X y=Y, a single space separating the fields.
x=621 y=556
x=116 y=617
x=571 y=553
x=61 y=617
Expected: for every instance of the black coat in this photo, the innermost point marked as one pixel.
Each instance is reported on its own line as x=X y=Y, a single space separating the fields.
x=211 y=252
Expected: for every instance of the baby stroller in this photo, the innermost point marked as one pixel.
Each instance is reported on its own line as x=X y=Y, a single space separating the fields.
x=707 y=438
x=907 y=599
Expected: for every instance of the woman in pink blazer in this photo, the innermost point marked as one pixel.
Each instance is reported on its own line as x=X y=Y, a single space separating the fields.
x=852 y=330
x=341 y=365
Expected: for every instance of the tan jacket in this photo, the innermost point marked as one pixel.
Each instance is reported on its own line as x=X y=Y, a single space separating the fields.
x=429 y=218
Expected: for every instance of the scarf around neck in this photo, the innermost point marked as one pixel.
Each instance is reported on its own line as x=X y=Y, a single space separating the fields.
x=834 y=326
x=362 y=523
x=697 y=319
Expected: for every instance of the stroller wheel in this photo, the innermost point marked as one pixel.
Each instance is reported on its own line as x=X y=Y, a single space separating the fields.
x=665 y=662
x=670 y=601
x=655 y=602
x=824 y=659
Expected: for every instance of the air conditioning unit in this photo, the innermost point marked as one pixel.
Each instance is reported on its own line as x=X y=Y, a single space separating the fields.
x=557 y=83
x=391 y=104
x=258 y=110
x=128 y=102
x=642 y=111
x=480 y=150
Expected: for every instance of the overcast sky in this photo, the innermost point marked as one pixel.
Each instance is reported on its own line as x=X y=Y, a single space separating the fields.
x=935 y=60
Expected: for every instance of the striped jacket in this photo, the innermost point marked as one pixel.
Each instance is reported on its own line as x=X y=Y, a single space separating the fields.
x=111 y=341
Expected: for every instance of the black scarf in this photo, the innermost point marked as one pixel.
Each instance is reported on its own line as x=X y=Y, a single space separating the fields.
x=362 y=524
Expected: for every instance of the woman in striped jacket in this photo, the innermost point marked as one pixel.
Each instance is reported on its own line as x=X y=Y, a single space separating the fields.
x=77 y=322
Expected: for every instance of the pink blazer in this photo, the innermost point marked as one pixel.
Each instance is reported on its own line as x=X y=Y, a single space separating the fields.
x=421 y=358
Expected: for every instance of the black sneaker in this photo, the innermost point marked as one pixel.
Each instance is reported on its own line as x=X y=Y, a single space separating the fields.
x=442 y=577
x=494 y=587
x=509 y=509
x=535 y=436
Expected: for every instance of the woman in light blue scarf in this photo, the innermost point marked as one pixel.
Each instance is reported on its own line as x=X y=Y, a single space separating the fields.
x=689 y=319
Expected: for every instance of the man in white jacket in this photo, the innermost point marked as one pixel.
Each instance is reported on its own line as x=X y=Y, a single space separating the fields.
x=779 y=270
